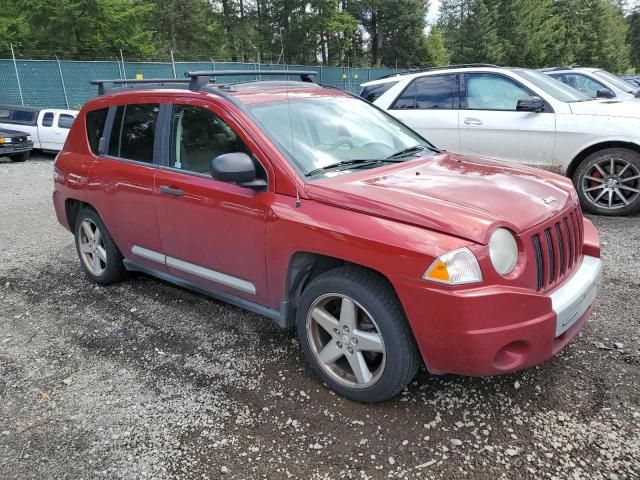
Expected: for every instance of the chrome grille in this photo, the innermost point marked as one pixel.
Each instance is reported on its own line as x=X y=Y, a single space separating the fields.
x=557 y=248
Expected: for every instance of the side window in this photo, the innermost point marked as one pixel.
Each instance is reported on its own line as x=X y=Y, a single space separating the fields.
x=65 y=120
x=133 y=132
x=23 y=116
x=198 y=136
x=435 y=92
x=95 y=121
x=486 y=91
x=47 y=119
x=586 y=85
x=407 y=99
x=4 y=114
x=373 y=92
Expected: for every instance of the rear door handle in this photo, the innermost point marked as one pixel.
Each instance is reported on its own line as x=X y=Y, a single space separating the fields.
x=472 y=121
x=171 y=191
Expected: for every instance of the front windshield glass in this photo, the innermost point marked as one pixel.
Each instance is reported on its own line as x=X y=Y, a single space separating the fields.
x=322 y=131
x=615 y=81
x=553 y=87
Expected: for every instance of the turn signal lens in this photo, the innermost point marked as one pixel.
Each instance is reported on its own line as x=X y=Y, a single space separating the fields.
x=455 y=268
x=5 y=140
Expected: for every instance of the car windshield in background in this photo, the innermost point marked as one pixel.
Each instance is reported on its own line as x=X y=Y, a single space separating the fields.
x=320 y=132
x=553 y=87
x=612 y=79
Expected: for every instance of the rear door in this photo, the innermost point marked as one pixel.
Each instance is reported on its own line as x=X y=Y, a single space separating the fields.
x=429 y=105
x=53 y=128
x=490 y=125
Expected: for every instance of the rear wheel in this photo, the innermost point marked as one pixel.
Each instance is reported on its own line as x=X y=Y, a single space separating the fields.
x=608 y=182
x=355 y=335
x=20 y=157
x=100 y=258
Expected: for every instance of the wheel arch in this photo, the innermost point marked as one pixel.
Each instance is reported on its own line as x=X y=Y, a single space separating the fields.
x=72 y=207
x=573 y=166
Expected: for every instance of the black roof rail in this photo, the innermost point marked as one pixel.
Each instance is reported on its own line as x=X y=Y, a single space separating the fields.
x=104 y=86
x=202 y=77
x=432 y=69
x=554 y=69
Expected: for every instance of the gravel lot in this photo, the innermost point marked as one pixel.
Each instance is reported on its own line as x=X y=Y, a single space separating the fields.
x=146 y=380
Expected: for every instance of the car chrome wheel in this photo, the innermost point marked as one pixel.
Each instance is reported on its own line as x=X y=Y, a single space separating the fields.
x=611 y=183
x=92 y=248
x=345 y=340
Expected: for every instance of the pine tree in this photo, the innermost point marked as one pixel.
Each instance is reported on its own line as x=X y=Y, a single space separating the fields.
x=479 y=36
x=436 y=54
x=633 y=38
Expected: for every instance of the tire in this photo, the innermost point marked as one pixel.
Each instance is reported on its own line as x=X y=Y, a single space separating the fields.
x=20 y=157
x=100 y=258
x=605 y=194
x=383 y=340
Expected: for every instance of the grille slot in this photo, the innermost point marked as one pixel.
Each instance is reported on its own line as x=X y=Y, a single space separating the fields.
x=537 y=250
x=560 y=249
x=550 y=254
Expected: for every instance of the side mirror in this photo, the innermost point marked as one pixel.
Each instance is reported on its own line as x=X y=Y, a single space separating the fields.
x=530 y=104
x=236 y=168
x=604 y=93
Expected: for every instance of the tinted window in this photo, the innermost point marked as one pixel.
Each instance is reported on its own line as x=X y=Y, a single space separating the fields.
x=95 y=121
x=373 y=92
x=47 y=119
x=25 y=116
x=65 y=121
x=486 y=91
x=407 y=99
x=133 y=132
x=435 y=92
x=198 y=136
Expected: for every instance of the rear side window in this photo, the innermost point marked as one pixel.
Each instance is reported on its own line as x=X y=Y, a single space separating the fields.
x=436 y=92
x=95 y=121
x=373 y=92
x=133 y=132
x=23 y=116
x=65 y=121
x=407 y=99
x=47 y=119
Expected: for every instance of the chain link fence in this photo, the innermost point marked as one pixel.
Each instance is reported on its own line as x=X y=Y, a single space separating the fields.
x=66 y=83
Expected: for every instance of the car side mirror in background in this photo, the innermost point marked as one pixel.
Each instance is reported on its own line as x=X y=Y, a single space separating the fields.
x=236 y=168
x=604 y=93
x=530 y=104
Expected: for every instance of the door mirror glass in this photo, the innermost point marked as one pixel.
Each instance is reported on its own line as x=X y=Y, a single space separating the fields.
x=530 y=104
x=604 y=93
x=236 y=168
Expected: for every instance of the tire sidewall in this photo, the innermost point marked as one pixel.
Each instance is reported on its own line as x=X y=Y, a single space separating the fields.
x=391 y=325
x=114 y=259
x=622 y=153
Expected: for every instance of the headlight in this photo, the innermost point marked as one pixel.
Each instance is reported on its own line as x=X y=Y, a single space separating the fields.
x=456 y=267
x=503 y=251
x=5 y=140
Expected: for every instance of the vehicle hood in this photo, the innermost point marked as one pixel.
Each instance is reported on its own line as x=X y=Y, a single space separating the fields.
x=608 y=108
x=459 y=195
x=4 y=132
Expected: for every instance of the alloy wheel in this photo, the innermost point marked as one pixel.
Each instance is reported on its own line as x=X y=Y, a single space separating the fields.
x=92 y=249
x=345 y=340
x=611 y=183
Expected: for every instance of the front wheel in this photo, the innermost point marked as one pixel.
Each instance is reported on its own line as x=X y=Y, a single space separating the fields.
x=608 y=182
x=355 y=335
x=20 y=157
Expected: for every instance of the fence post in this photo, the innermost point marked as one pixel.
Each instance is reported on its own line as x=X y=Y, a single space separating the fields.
x=173 y=64
x=15 y=66
x=64 y=89
x=124 y=72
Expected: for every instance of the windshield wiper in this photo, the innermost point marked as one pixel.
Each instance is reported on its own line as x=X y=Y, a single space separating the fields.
x=349 y=163
x=407 y=151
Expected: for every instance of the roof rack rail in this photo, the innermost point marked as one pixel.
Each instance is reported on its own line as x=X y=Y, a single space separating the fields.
x=202 y=77
x=431 y=69
x=554 y=69
x=196 y=80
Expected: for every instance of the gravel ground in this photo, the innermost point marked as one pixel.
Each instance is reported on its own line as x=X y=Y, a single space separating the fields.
x=146 y=380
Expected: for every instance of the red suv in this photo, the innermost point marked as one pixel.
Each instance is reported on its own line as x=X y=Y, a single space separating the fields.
x=315 y=208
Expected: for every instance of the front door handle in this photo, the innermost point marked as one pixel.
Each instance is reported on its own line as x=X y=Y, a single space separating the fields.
x=472 y=121
x=171 y=191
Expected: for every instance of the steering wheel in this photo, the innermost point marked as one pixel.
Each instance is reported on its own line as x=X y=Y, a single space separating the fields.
x=341 y=142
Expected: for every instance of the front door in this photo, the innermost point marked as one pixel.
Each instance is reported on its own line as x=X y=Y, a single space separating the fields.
x=490 y=125
x=213 y=233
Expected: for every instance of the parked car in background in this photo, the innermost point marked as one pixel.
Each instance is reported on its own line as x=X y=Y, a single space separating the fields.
x=15 y=145
x=310 y=206
x=594 y=82
x=48 y=127
x=520 y=115
x=635 y=81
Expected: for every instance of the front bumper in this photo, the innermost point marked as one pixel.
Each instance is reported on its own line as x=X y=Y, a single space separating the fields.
x=10 y=148
x=493 y=330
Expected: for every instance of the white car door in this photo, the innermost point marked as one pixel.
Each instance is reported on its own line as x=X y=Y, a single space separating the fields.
x=46 y=129
x=491 y=126
x=429 y=105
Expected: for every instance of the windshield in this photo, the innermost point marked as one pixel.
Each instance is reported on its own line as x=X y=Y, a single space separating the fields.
x=318 y=132
x=615 y=81
x=553 y=87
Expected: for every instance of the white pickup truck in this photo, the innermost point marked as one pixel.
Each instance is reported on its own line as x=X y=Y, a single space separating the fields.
x=48 y=127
